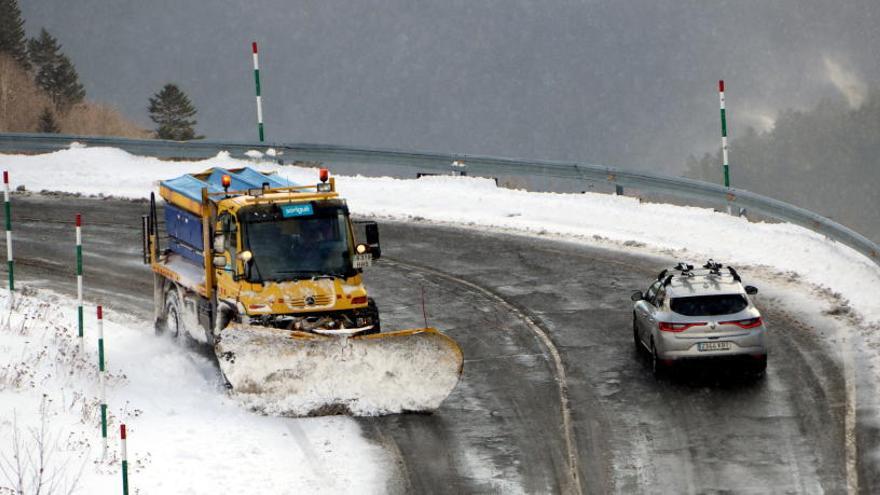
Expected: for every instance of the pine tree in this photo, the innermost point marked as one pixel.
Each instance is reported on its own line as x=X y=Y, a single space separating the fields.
x=61 y=82
x=56 y=74
x=12 y=38
x=43 y=50
x=47 y=123
x=173 y=112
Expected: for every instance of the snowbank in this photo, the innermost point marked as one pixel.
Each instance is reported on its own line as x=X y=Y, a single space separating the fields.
x=599 y=219
x=184 y=434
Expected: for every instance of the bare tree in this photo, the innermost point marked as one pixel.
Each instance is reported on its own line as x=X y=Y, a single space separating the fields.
x=33 y=468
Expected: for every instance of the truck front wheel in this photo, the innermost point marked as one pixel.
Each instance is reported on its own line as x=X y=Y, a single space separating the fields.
x=172 y=324
x=373 y=311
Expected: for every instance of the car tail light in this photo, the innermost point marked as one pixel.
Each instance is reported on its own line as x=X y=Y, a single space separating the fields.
x=359 y=300
x=750 y=323
x=678 y=327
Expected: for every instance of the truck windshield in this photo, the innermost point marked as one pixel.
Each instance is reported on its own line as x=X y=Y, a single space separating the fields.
x=300 y=247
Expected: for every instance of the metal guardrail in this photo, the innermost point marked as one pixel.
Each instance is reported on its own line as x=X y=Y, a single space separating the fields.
x=476 y=165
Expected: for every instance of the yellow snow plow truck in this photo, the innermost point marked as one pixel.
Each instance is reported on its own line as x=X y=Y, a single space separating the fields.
x=269 y=274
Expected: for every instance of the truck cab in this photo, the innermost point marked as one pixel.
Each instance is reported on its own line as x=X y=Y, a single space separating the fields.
x=280 y=255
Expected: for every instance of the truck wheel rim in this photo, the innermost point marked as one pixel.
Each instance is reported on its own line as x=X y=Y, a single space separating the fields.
x=173 y=323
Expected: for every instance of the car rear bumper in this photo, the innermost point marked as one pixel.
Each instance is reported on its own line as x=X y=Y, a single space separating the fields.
x=756 y=353
x=749 y=363
x=676 y=346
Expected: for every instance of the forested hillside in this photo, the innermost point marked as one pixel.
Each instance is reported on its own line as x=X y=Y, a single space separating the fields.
x=40 y=90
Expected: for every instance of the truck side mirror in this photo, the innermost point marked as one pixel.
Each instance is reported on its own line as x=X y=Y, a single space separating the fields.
x=637 y=296
x=372 y=230
x=751 y=290
x=372 y=233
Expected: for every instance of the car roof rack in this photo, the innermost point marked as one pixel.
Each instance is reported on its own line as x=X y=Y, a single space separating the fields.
x=711 y=267
x=734 y=274
x=685 y=268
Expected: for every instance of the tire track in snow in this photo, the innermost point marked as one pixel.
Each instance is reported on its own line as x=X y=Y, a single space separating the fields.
x=543 y=336
x=315 y=461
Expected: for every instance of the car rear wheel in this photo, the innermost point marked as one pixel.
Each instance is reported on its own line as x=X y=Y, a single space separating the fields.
x=759 y=367
x=657 y=367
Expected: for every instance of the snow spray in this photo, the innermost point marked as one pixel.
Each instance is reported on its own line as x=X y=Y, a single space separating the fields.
x=79 y=278
x=8 y=208
x=124 y=460
x=102 y=378
x=259 y=98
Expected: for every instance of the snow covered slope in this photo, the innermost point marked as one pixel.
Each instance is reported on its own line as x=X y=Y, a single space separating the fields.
x=184 y=434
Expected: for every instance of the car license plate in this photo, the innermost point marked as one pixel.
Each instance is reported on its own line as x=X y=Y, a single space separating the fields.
x=713 y=346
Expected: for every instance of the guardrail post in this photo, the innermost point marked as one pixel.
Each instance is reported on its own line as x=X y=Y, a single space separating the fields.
x=618 y=190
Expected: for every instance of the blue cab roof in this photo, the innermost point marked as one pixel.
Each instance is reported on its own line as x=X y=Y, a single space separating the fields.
x=190 y=185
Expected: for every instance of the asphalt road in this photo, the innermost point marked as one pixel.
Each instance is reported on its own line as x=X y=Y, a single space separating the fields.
x=553 y=396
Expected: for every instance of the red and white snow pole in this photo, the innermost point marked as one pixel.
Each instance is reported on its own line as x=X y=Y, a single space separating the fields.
x=79 y=278
x=102 y=378
x=726 y=163
x=259 y=97
x=124 y=460
x=8 y=208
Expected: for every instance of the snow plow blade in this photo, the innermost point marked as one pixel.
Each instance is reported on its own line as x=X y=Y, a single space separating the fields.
x=292 y=373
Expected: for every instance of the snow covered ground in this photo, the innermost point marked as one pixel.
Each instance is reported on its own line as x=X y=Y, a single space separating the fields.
x=184 y=434
x=809 y=273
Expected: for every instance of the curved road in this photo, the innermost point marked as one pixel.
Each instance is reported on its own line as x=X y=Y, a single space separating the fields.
x=518 y=422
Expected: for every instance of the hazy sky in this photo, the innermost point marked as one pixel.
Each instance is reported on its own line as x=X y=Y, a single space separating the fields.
x=620 y=82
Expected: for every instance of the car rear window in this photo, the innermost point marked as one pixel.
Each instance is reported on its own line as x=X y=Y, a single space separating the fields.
x=716 y=304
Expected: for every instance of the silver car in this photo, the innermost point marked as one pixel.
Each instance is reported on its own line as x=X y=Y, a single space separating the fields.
x=698 y=314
